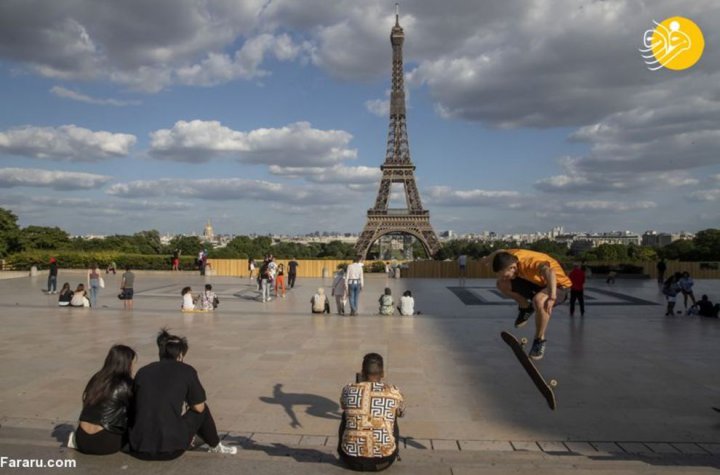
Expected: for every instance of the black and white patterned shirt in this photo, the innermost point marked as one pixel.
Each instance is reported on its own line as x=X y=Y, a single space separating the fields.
x=370 y=413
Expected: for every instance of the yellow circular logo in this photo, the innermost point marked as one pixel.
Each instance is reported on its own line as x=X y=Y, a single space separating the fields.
x=676 y=43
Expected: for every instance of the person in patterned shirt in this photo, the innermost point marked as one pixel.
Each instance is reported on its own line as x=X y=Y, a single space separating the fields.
x=369 y=433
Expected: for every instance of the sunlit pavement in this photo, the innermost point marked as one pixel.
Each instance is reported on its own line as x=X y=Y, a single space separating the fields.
x=635 y=387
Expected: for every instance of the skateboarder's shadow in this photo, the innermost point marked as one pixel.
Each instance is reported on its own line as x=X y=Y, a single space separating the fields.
x=317 y=406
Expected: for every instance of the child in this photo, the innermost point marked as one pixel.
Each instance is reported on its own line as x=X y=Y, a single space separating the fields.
x=387 y=306
x=671 y=288
x=686 y=284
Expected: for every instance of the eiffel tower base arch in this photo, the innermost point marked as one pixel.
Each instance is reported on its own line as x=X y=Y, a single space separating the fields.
x=417 y=226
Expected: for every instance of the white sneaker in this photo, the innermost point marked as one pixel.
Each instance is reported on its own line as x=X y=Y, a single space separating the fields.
x=71 y=441
x=223 y=449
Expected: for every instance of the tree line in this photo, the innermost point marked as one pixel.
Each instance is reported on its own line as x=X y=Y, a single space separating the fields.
x=16 y=240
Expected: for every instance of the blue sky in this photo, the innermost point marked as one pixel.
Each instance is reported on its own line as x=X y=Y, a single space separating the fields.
x=270 y=116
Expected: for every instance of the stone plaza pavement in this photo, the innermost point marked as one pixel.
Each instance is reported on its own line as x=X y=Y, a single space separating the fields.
x=635 y=390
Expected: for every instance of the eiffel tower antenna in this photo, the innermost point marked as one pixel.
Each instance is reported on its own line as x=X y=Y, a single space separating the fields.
x=398 y=168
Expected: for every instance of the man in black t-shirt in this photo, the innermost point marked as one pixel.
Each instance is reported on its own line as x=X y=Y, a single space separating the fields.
x=169 y=406
x=292 y=272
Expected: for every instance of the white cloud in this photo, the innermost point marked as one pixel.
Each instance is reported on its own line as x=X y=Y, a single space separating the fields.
x=337 y=174
x=144 y=46
x=606 y=206
x=60 y=91
x=67 y=142
x=223 y=189
x=295 y=145
x=704 y=195
x=58 y=180
x=218 y=68
x=378 y=107
x=447 y=196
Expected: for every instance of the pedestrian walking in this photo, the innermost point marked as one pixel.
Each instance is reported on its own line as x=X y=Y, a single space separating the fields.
x=52 y=276
x=340 y=291
x=292 y=272
x=577 y=289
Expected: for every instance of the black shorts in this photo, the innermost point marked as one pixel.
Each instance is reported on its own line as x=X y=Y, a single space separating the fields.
x=529 y=289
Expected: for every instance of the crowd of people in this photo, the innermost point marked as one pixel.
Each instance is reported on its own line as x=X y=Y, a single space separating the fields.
x=681 y=283
x=161 y=411
x=86 y=294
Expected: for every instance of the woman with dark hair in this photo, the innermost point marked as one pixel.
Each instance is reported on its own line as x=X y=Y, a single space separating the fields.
x=102 y=428
x=161 y=430
x=66 y=295
x=188 y=303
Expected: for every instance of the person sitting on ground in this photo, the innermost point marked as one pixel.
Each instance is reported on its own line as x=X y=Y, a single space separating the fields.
x=387 y=305
x=319 y=303
x=368 y=438
x=407 y=304
x=102 y=429
x=80 y=297
x=111 y=268
x=65 y=296
x=671 y=288
x=160 y=429
x=707 y=309
x=188 y=303
x=208 y=299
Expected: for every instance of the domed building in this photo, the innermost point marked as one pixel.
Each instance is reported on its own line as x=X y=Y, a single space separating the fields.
x=208 y=233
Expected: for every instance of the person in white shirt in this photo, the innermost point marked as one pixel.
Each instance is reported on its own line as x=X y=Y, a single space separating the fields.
x=188 y=304
x=355 y=284
x=319 y=302
x=407 y=304
x=462 y=268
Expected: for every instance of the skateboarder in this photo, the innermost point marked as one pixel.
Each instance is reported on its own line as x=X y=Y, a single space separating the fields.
x=536 y=282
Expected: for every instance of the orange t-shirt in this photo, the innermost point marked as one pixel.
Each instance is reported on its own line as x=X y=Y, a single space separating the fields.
x=530 y=267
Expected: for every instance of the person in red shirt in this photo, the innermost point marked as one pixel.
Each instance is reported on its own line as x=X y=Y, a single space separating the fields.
x=577 y=276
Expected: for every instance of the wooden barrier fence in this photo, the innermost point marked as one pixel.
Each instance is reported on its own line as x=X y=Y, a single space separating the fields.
x=306 y=268
x=451 y=270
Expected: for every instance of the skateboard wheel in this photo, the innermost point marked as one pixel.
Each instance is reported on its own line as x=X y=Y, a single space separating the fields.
x=523 y=341
x=553 y=383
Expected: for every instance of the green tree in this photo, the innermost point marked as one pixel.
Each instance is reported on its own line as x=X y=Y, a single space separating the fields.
x=42 y=237
x=148 y=242
x=547 y=246
x=707 y=244
x=607 y=252
x=9 y=239
x=188 y=245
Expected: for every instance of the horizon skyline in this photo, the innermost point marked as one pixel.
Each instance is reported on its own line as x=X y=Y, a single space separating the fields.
x=273 y=115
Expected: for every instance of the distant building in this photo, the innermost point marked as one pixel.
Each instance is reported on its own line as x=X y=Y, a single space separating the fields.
x=209 y=233
x=656 y=239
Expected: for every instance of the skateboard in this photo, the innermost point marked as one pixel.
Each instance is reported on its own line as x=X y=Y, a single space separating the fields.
x=545 y=388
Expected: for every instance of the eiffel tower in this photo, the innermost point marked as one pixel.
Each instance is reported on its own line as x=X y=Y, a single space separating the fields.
x=398 y=168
